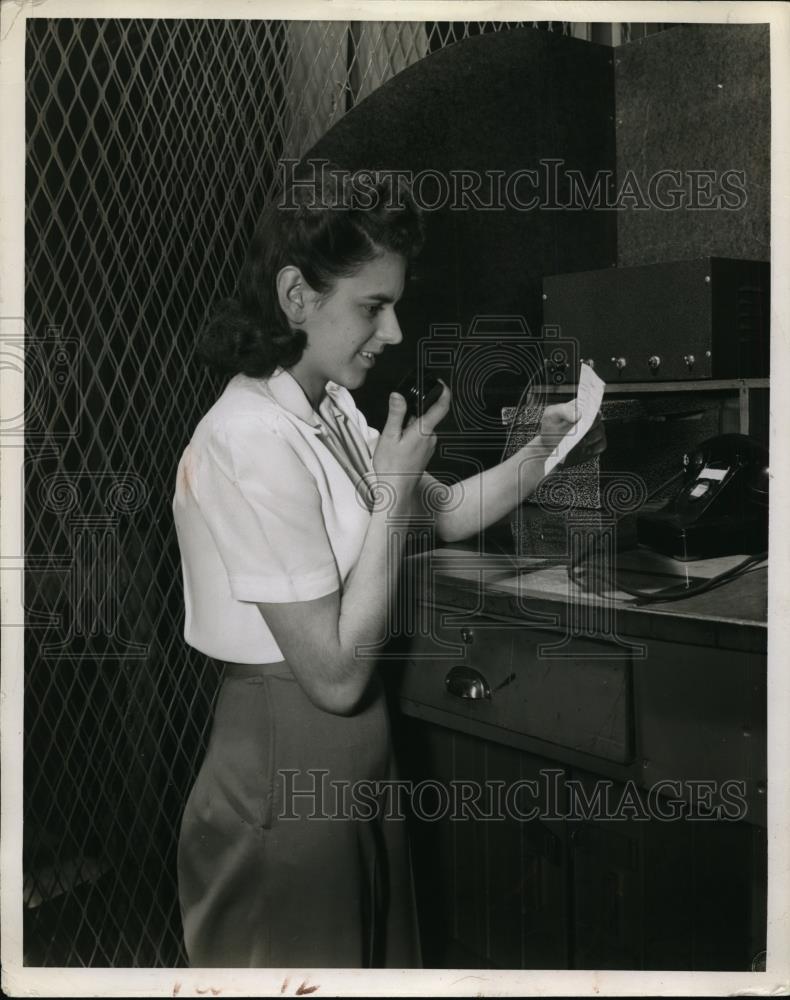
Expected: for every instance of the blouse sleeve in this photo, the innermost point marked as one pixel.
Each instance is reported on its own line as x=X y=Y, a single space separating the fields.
x=263 y=510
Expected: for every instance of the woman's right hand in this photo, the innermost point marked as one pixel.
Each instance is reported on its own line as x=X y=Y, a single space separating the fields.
x=402 y=453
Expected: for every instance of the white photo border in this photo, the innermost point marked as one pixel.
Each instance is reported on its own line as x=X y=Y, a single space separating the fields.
x=18 y=980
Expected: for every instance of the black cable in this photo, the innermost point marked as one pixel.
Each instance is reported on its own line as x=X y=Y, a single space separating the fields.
x=679 y=591
x=675 y=591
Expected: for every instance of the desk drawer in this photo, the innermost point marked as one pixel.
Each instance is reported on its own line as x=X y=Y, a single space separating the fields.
x=492 y=672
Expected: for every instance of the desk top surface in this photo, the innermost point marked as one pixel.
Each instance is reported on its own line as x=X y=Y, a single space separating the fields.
x=732 y=615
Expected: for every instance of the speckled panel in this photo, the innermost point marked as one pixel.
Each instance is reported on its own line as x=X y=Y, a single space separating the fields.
x=495 y=102
x=695 y=98
x=646 y=437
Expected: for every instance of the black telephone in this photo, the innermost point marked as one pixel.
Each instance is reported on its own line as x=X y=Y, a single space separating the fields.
x=721 y=508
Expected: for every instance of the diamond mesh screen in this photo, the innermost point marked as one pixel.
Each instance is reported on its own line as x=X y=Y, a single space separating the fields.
x=151 y=147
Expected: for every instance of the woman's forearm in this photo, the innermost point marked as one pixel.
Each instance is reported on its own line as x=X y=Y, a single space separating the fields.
x=331 y=643
x=368 y=593
x=336 y=644
x=340 y=664
x=481 y=500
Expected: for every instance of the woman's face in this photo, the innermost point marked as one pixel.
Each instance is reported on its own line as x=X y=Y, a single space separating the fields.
x=348 y=327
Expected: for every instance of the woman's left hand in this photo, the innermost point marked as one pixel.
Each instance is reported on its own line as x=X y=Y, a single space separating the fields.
x=592 y=444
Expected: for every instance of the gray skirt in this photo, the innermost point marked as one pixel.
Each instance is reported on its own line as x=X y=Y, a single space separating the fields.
x=286 y=856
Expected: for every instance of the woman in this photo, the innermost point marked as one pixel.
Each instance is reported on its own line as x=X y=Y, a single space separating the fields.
x=289 y=557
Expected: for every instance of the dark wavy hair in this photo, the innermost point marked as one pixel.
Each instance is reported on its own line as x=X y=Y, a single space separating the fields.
x=328 y=228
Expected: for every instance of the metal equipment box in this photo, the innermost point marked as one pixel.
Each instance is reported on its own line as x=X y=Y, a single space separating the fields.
x=692 y=319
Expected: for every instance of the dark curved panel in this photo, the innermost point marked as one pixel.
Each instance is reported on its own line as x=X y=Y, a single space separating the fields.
x=498 y=102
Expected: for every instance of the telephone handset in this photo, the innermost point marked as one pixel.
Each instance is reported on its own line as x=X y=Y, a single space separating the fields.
x=721 y=506
x=722 y=460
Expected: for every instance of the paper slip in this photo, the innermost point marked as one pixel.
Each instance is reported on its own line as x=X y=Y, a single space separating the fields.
x=588 y=401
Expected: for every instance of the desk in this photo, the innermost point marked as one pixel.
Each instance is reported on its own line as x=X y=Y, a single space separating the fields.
x=733 y=616
x=665 y=712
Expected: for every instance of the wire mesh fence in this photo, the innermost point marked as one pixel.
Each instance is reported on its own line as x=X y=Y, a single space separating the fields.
x=151 y=147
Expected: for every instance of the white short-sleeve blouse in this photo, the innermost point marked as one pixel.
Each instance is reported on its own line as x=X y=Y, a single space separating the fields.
x=271 y=504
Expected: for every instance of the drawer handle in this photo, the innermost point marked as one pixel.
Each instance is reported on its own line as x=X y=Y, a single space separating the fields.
x=464 y=682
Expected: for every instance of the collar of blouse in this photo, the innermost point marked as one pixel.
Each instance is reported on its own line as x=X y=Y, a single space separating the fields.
x=331 y=424
x=284 y=388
